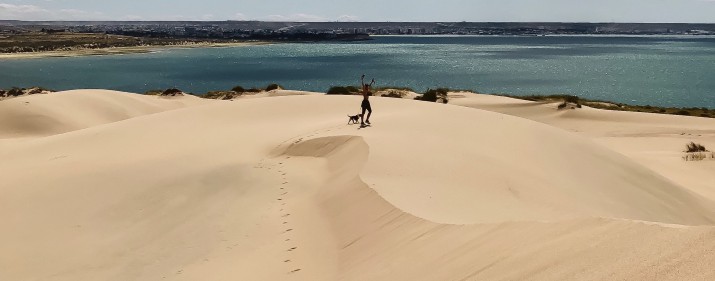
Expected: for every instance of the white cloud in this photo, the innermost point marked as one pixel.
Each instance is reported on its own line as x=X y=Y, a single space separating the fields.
x=33 y=12
x=239 y=16
x=347 y=18
x=295 y=17
x=132 y=18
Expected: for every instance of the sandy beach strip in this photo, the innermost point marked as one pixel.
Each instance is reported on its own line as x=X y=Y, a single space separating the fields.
x=123 y=50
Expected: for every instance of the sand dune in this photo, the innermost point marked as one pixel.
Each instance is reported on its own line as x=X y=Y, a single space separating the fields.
x=42 y=115
x=653 y=140
x=282 y=189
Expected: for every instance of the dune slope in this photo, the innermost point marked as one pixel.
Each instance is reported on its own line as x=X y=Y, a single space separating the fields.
x=283 y=189
x=656 y=141
x=43 y=115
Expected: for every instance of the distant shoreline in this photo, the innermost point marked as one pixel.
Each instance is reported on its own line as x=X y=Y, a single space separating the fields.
x=122 y=50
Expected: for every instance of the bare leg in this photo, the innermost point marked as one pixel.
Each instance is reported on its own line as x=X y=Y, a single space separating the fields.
x=369 y=112
x=362 y=115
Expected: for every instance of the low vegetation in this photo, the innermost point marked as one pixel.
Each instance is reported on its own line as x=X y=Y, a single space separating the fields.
x=172 y=92
x=16 y=92
x=39 y=41
x=235 y=92
x=394 y=94
x=272 y=87
x=238 y=89
x=434 y=95
x=389 y=88
x=222 y=95
x=577 y=101
x=695 y=147
x=343 y=90
x=697 y=152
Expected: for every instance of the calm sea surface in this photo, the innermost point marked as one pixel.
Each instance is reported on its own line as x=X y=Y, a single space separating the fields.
x=665 y=71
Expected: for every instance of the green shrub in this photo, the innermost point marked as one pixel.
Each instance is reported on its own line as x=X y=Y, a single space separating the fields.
x=272 y=87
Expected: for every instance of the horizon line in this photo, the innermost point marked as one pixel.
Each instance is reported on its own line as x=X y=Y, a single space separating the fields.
x=268 y=21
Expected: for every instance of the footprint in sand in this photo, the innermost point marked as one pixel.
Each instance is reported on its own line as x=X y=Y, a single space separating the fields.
x=295 y=270
x=292 y=249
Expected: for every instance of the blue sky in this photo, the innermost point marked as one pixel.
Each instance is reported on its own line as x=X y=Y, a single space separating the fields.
x=365 y=10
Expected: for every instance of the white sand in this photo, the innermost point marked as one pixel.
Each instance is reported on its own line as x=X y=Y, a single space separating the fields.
x=282 y=189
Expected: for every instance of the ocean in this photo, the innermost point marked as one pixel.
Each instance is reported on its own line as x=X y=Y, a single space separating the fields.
x=643 y=70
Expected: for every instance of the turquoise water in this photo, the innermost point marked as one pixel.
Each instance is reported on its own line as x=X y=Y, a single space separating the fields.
x=664 y=71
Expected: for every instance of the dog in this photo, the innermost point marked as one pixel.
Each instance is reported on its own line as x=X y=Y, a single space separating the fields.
x=354 y=118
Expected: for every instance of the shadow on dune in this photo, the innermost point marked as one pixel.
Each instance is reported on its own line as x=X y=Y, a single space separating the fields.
x=378 y=241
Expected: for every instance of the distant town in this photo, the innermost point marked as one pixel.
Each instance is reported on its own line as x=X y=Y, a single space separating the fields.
x=175 y=32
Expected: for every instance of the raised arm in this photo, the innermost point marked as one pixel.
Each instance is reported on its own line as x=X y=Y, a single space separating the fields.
x=362 y=80
x=373 y=82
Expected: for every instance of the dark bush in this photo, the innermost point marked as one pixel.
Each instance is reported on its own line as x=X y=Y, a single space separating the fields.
x=272 y=87
x=339 y=90
x=222 y=95
x=154 y=92
x=15 y=91
x=254 y=90
x=434 y=95
x=571 y=99
x=238 y=89
x=694 y=147
x=683 y=112
x=171 y=92
x=393 y=88
x=393 y=94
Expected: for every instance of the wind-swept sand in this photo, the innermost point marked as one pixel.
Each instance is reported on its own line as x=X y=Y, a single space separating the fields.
x=656 y=141
x=282 y=189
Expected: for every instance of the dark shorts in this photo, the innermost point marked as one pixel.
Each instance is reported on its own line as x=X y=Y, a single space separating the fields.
x=366 y=105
